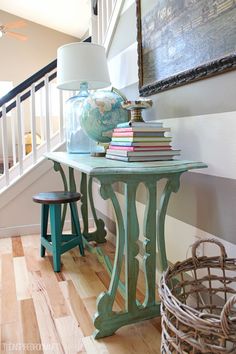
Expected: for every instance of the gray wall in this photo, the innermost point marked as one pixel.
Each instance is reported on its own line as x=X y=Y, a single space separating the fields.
x=202 y=119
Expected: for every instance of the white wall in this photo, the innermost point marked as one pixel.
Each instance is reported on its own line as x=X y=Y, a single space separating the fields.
x=202 y=119
x=19 y=215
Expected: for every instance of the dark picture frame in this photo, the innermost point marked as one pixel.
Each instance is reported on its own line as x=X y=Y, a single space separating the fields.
x=208 y=33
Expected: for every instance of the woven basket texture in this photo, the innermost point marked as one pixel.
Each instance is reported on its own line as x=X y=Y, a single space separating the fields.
x=198 y=304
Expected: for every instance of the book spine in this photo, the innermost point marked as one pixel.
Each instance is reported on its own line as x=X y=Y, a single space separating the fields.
x=141 y=130
x=139 y=134
x=150 y=154
x=151 y=139
x=139 y=124
x=140 y=144
x=139 y=158
x=114 y=157
x=141 y=148
x=125 y=148
x=118 y=143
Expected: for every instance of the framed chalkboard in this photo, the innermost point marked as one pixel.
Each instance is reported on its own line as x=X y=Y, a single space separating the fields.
x=183 y=41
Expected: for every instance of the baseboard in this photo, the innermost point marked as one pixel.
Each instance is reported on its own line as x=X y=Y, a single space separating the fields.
x=23 y=230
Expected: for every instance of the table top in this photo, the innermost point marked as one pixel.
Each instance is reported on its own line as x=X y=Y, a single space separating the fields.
x=101 y=166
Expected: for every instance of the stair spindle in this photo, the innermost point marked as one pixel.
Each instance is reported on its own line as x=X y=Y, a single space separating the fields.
x=33 y=124
x=5 y=144
x=19 y=126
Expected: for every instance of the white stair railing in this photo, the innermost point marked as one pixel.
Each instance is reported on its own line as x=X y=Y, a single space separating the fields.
x=31 y=115
x=31 y=123
x=104 y=24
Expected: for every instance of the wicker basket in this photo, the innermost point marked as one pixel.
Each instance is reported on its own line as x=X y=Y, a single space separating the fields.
x=198 y=313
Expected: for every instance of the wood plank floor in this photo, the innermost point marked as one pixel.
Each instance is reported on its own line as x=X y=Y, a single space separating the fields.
x=47 y=312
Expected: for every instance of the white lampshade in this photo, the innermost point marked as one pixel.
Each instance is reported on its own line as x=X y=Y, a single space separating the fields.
x=82 y=62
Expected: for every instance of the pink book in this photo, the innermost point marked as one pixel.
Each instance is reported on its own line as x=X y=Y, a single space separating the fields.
x=139 y=134
x=141 y=148
x=141 y=129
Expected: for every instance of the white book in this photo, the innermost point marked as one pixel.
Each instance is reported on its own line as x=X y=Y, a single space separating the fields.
x=140 y=124
x=139 y=158
x=143 y=153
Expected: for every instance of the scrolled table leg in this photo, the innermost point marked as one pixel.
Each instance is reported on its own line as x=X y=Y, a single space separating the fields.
x=150 y=244
x=107 y=321
x=100 y=233
x=105 y=316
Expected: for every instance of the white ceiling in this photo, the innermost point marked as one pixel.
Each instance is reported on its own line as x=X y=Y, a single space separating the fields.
x=68 y=16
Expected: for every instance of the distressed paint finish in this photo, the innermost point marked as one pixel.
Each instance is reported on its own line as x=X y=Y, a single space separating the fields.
x=84 y=203
x=72 y=184
x=108 y=321
x=149 y=258
x=100 y=233
x=131 y=245
x=86 y=194
x=108 y=172
x=56 y=231
x=103 y=319
x=72 y=188
x=57 y=167
x=44 y=226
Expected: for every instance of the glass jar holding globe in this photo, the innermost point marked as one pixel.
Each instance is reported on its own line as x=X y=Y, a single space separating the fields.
x=77 y=140
x=100 y=113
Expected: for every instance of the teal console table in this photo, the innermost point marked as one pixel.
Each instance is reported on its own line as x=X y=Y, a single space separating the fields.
x=107 y=172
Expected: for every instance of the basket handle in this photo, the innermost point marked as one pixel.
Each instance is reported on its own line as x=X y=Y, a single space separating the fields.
x=196 y=244
x=224 y=316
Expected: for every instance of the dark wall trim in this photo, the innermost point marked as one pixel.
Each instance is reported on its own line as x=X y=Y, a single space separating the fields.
x=28 y=82
x=95 y=7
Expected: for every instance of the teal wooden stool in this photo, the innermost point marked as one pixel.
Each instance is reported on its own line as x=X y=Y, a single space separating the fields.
x=58 y=243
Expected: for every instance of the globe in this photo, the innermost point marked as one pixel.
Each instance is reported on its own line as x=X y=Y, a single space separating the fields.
x=100 y=114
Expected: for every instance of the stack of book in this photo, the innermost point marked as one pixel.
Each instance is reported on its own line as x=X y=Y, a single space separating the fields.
x=139 y=141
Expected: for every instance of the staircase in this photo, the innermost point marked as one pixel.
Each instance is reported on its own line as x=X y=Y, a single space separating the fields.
x=31 y=123
x=31 y=115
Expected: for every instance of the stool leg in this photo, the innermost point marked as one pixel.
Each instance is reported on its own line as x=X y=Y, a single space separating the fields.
x=44 y=226
x=56 y=233
x=75 y=221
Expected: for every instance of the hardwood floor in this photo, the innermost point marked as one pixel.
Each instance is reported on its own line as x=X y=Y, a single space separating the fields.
x=47 y=312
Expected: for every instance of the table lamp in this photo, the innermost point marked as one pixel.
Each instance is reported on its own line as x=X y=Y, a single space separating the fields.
x=80 y=66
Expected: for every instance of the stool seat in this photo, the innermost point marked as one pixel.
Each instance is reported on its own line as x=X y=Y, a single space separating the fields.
x=57 y=242
x=60 y=197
